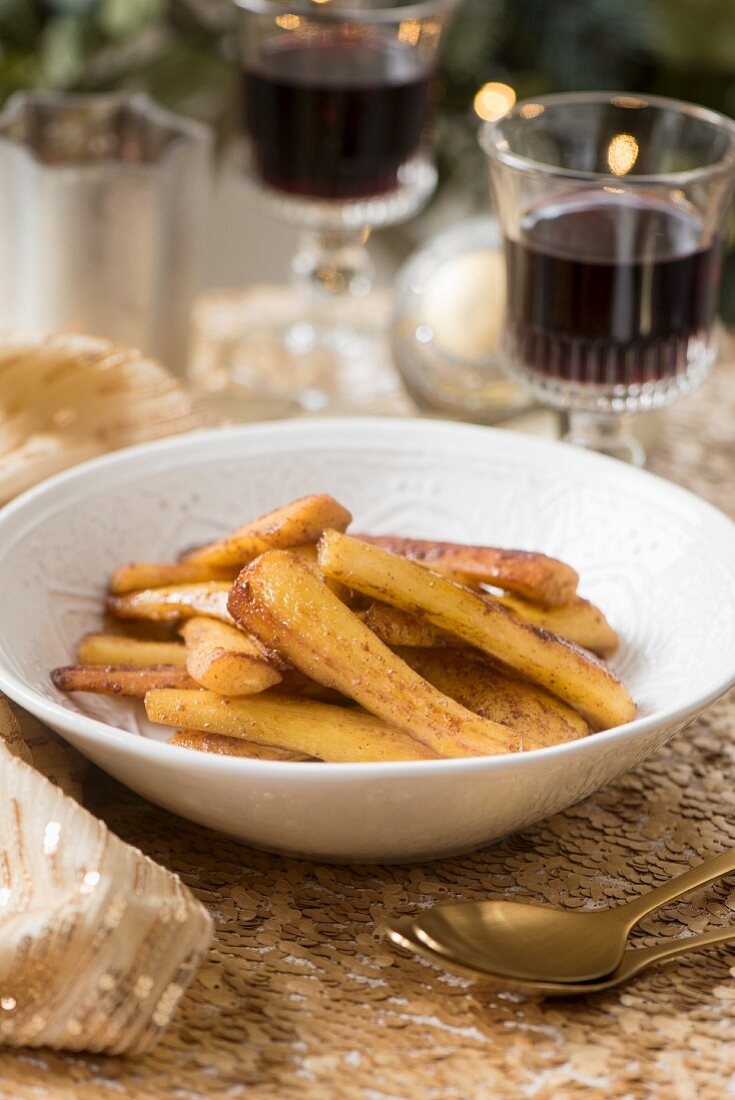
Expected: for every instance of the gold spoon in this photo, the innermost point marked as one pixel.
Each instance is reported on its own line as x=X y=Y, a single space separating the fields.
x=525 y=941
x=401 y=932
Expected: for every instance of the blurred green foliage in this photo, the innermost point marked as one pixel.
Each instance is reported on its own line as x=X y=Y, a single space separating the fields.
x=173 y=49
x=178 y=48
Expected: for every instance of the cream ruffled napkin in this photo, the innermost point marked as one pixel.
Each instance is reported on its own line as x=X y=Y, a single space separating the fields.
x=97 y=942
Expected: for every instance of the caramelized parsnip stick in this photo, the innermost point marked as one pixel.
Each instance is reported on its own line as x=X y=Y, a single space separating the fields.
x=120 y=679
x=170 y=605
x=579 y=679
x=114 y=649
x=297 y=725
x=285 y=604
x=218 y=745
x=296 y=683
x=522 y=572
x=139 y=574
x=482 y=687
x=401 y=628
x=579 y=622
x=227 y=660
x=302 y=521
x=307 y=553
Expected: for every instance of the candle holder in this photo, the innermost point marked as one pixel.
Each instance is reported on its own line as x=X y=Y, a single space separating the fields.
x=103 y=203
x=447 y=325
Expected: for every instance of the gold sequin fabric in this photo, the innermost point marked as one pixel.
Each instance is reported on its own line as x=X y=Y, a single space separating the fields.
x=97 y=942
x=300 y=997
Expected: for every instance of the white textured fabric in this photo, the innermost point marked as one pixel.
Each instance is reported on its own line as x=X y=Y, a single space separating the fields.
x=64 y=399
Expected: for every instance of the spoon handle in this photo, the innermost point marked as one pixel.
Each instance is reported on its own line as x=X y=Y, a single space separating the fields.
x=704 y=873
x=637 y=959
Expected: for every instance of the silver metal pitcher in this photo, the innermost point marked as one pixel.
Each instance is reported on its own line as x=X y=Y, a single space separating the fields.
x=103 y=214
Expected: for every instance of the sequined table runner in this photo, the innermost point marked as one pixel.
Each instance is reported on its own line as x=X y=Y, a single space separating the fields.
x=301 y=998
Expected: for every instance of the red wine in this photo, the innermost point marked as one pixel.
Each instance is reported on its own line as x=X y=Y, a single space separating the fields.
x=335 y=116
x=610 y=289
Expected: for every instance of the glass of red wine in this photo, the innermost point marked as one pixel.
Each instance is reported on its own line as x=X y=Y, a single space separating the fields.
x=337 y=98
x=613 y=209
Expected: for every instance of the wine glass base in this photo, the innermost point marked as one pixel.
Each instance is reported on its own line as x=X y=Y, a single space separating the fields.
x=600 y=415
x=609 y=435
x=274 y=359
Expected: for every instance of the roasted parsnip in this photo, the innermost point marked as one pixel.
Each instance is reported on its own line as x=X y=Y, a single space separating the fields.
x=218 y=745
x=576 y=677
x=227 y=660
x=302 y=521
x=494 y=693
x=402 y=628
x=138 y=574
x=289 y=608
x=579 y=622
x=524 y=573
x=287 y=623
x=120 y=679
x=315 y=729
x=170 y=605
x=115 y=649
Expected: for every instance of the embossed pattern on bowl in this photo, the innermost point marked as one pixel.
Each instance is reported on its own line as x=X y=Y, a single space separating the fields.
x=659 y=561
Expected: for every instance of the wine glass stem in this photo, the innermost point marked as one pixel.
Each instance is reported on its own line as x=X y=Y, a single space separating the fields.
x=333 y=265
x=609 y=433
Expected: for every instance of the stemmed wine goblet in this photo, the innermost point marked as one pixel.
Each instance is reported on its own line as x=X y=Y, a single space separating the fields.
x=337 y=98
x=613 y=209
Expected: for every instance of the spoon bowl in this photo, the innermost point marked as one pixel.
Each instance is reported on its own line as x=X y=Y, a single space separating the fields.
x=523 y=941
x=402 y=932
x=536 y=943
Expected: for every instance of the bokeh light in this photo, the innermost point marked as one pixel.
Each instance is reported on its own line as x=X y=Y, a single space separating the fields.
x=622 y=153
x=493 y=100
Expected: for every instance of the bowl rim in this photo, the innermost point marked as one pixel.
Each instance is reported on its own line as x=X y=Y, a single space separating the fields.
x=93 y=730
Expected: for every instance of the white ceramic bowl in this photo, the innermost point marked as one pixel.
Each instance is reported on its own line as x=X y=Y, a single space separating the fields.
x=659 y=561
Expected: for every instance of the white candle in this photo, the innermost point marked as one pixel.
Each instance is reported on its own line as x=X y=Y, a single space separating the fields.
x=464 y=304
